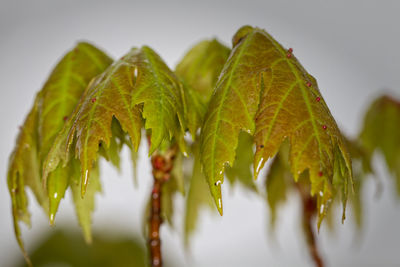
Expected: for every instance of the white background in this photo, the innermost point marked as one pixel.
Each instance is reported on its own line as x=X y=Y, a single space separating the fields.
x=351 y=47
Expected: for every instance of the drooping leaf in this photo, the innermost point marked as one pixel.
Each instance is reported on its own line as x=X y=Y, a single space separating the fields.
x=134 y=160
x=84 y=206
x=161 y=94
x=138 y=85
x=362 y=169
x=53 y=105
x=24 y=170
x=264 y=91
x=201 y=66
x=196 y=111
x=60 y=95
x=177 y=173
x=199 y=70
x=232 y=108
x=278 y=182
x=118 y=140
x=381 y=132
x=241 y=169
x=198 y=195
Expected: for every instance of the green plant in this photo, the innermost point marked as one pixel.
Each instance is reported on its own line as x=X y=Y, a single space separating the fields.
x=227 y=99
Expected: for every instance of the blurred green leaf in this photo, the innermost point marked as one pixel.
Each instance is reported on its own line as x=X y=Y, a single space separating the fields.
x=69 y=249
x=199 y=70
x=279 y=181
x=241 y=169
x=85 y=206
x=201 y=66
x=381 y=131
x=198 y=195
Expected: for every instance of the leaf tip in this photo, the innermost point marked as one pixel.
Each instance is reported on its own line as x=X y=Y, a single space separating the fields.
x=52 y=218
x=87 y=235
x=85 y=180
x=216 y=192
x=54 y=202
x=241 y=33
x=258 y=165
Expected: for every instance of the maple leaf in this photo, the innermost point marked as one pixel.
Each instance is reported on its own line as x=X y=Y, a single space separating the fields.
x=137 y=90
x=53 y=104
x=263 y=90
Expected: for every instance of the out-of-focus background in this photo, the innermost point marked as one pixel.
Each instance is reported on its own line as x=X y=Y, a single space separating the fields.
x=351 y=47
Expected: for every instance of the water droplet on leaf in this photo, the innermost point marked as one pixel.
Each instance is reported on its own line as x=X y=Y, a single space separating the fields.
x=321 y=209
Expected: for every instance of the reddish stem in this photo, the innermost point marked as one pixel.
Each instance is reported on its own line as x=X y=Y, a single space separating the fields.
x=309 y=210
x=162 y=165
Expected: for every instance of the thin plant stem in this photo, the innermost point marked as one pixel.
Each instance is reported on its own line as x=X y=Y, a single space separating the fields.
x=162 y=164
x=309 y=210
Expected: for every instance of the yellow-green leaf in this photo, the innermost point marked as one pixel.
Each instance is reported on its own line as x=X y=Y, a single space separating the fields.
x=161 y=94
x=381 y=131
x=53 y=105
x=278 y=182
x=65 y=247
x=112 y=153
x=169 y=189
x=264 y=91
x=198 y=195
x=241 y=169
x=292 y=107
x=24 y=170
x=201 y=66
x=199 y=70
x=60 y=95
x=84 y=206
x=108 y=96
x=361 y=170
x=138 y=85
x=64 y=88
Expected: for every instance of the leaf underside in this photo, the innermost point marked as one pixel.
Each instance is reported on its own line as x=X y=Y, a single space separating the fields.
x=53 y=104
x=263 y=90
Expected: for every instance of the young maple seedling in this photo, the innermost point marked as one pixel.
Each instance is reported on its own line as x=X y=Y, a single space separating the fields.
x=227 y=99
